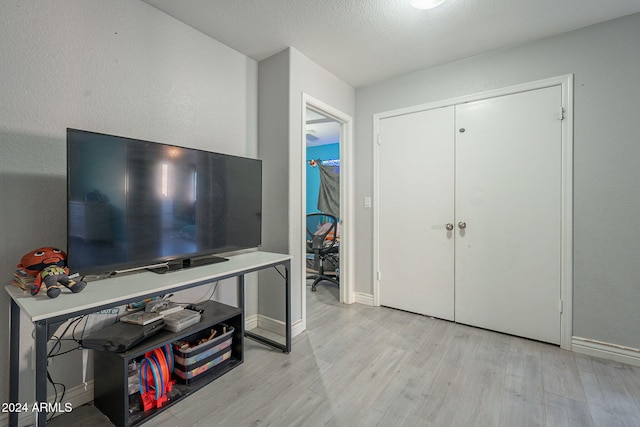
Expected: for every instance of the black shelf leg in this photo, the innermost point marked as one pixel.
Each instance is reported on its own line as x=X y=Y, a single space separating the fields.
x=14 y=362
x=287 y=280
x=41 y=371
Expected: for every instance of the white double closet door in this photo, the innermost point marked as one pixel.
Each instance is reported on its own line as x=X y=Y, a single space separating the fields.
x=469 y=213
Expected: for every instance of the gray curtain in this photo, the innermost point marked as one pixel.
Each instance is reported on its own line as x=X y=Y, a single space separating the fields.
x=329 y=196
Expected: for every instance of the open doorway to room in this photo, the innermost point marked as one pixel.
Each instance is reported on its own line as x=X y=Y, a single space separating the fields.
x=322 y=203
x=327 y=194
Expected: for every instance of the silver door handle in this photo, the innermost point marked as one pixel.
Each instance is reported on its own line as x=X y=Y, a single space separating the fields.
x=449 y=226
x=462 y=225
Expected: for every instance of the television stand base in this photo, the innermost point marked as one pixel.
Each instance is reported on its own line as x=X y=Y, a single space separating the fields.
x=187 y=263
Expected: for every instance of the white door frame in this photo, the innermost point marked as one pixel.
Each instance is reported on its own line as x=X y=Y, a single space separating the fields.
x=566 y=280
x=346 y=199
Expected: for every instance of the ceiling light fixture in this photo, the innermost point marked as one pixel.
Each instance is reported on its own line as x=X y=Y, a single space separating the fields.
x=426 y=4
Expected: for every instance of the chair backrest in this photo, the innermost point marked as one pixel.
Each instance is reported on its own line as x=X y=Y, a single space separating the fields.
x=322 y=230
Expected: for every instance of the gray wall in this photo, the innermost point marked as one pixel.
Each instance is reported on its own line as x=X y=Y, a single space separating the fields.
x=119 y=67
x=273 y=117
x=605 y=61
x=283 y=78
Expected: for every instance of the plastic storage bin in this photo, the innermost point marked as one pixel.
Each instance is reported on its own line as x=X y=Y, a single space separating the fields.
x=197 y=370
x=197 y=360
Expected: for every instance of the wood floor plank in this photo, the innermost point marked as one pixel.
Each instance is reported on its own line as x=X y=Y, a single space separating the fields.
x=365 y=387
x=523 y=401
x=429 y=343
x=86 y=415
x=399 y=400
x=484 y=380
x=562 y=411
x=560 y=373
x=447 y=392
x=610 y=401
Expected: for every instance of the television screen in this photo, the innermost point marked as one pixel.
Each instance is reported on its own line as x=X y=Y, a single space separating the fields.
x=133 y=203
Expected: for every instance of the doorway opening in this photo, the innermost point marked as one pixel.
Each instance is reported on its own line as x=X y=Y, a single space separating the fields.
x=326 y=205
x=323 y=202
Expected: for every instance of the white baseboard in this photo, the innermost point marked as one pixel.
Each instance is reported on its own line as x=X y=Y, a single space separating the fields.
x=604 y=350
x=251 y=322
x=272 y=325
x=297 y=328
x=366 y=299
x=78 y=396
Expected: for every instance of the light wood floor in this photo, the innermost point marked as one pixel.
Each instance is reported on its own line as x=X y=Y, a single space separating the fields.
x=370 y=366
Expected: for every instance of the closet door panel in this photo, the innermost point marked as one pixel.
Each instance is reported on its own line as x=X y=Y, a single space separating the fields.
x=415 y=202
x=508 y=195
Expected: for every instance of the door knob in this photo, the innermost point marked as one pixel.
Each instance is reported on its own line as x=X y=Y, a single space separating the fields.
x=462 y=225
x=449 y=226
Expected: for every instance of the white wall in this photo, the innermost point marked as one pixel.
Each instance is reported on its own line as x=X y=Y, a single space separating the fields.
x=282 y=142
x=605 y=60
x=119 y=67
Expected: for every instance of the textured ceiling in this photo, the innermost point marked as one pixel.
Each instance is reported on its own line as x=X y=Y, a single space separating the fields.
x=321 y=130
x=366 y=41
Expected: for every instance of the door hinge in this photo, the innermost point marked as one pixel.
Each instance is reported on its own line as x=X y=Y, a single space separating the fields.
x=562 y=114
x=378 y=275
x=379 y=140
x=561 y=306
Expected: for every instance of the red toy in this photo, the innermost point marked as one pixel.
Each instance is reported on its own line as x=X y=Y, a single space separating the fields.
x=49 y=265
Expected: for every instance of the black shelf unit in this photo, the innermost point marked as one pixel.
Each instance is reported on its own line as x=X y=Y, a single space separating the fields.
x=111 y=394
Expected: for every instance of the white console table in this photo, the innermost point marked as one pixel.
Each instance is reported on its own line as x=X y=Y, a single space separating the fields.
x=47 y=314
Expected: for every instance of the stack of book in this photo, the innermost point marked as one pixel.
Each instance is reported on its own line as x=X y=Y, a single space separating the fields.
x=152 y=313
x=181 y=319
x=165 y=307
x=22 y=280
x=141 y=318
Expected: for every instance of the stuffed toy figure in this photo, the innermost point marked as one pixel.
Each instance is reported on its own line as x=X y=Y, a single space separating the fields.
x=49 y=266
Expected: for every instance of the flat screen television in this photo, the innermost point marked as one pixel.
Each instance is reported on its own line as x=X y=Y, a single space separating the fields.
x=134 y=203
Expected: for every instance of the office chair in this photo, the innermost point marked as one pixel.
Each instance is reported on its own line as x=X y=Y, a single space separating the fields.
x=323 y=244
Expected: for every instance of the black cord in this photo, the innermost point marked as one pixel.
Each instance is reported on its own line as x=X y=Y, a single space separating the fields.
x=205 y=298
x=275 y=267
x=73 y=333
x=79 y=347
x=58 y=340
x=215 y=288
x=55 y=390
x=56 y=351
